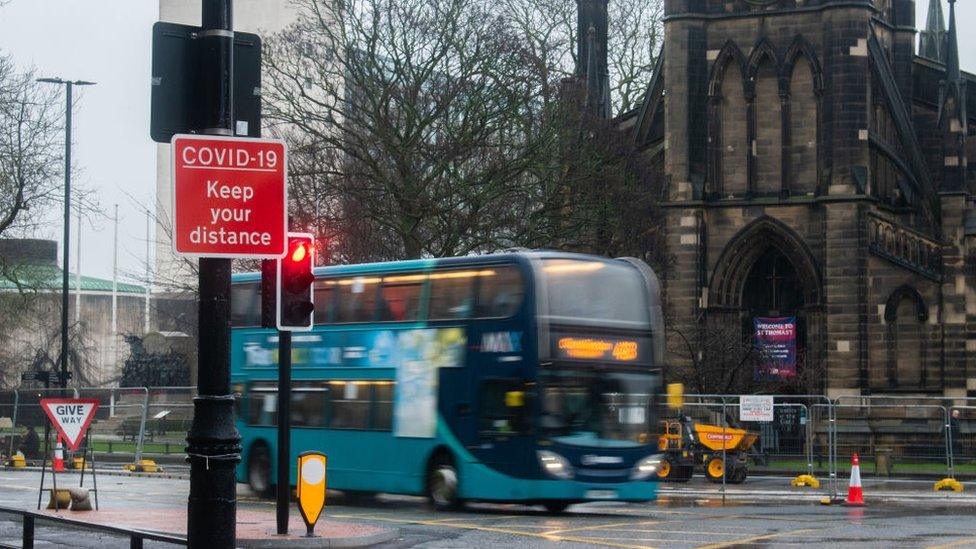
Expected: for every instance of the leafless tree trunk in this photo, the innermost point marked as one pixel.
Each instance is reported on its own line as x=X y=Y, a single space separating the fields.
x=433 y=127
x=31 y=148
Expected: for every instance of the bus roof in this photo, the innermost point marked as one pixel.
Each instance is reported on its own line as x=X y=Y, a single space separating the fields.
x=426 y=264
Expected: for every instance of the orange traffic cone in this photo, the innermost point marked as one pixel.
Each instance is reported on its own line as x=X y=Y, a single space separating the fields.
x=58 y=458
x=855 y=495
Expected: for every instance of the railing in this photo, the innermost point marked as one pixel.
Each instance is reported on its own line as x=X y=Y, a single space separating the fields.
x=130 y=421
x=907 y=436
x=895 y=436
x=906 y=247
x=30 y=518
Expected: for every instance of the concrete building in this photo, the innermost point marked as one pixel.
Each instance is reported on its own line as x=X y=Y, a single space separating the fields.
x=30 y=288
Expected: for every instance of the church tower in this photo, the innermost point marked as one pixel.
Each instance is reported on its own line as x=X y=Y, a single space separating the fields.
x=812 y=160
x=591 y=55
x=932 y=40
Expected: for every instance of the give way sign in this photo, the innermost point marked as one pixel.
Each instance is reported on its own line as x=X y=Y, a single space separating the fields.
x=71 y=417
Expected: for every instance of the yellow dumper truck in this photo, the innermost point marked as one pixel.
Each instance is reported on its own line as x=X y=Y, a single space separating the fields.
x=686 y=444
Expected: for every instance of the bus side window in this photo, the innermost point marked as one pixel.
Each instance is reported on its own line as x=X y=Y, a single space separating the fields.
x=500 y=293
x=308 y=408
x=451 y=295
x=245 y=304
x=382 y=406
x=400 y=301
x=263 y=408
x=357 y=299
x=323 y=297
x=350 y=405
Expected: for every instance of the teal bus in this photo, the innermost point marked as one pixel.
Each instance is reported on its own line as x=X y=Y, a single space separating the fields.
x=525 y=376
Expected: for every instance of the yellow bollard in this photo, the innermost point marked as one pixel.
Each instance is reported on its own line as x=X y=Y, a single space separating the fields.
x=143 y=466
x=948 y=484
x=805 y=480
x=61 y=500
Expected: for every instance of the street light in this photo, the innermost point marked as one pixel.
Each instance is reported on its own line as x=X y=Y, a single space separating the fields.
x=67 y=217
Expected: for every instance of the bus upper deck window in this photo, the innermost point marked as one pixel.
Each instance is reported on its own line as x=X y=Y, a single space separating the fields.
x=357 y=299
x=400 y=298
x=501 y=292
x=323 y=297
x=451 y=294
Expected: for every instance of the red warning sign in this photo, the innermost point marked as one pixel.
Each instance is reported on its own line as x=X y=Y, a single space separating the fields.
x=230 y=197
x=71 y=417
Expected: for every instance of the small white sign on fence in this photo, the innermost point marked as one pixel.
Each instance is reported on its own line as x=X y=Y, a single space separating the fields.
x=756 y=408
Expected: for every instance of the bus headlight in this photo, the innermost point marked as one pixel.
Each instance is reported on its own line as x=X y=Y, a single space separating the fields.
x=555 y=465
x=646 y=467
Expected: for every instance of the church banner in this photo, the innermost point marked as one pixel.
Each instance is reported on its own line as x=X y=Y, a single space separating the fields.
x=776 y=343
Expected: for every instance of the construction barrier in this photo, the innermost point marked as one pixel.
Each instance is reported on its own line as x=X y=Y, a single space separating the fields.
x=810 y=438
x=132 y=424
x=814 y=438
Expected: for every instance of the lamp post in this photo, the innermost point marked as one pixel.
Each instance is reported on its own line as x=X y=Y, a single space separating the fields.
x=67 y=218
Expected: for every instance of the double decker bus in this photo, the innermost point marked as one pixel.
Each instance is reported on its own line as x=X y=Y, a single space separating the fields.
x=517 y=377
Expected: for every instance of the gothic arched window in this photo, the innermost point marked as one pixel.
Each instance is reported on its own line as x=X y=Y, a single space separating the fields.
x=769 y=130
x=733 y=142
x=803 y=128
x=905 y=317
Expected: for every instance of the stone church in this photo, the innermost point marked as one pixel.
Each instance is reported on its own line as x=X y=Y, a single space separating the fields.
x=816 y=167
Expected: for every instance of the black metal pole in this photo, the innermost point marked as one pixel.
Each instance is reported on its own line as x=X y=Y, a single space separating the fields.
x=67 y=234
x=213 y=443
x=284 y=430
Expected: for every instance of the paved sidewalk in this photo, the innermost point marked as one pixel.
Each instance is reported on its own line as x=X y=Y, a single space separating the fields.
x=255 y=528
x=154 y=503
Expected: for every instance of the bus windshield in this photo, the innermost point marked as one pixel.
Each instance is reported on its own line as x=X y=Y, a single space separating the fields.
x=586 y=407
x=596 y=293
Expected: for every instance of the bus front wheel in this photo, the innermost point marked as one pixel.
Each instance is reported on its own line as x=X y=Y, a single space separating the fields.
x=442 y=482
x=259 y=471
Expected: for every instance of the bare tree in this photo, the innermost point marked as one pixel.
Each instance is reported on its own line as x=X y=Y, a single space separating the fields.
x=548 y=32
x=403 y=111
x=434 y=127
x=31 y=328
x=31 y=142
x=635 y=35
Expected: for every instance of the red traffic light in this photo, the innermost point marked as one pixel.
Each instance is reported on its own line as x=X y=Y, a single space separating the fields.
x=294 y=281
x=301 y=251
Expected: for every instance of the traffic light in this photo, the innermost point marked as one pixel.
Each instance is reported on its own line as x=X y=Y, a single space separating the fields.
x=295 y=278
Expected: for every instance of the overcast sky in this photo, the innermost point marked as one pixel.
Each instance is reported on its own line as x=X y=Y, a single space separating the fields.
x=108 y=41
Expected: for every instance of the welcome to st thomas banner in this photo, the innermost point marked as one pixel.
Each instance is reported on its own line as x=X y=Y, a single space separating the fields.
x=776 y=343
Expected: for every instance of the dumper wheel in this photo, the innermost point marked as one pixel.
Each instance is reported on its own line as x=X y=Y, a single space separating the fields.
x=666 y=471
x=715 y=469
x=740 y=475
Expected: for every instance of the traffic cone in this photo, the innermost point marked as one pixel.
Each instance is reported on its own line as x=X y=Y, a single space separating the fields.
x=58 y=458
x=855 y=495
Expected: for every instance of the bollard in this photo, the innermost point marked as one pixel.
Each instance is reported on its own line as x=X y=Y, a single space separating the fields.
x=882 y=461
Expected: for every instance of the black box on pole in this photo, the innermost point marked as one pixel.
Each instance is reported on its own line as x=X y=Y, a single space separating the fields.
x=176 y=59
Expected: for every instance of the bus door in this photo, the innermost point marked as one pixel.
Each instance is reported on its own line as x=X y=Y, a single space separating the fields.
x=504 y=396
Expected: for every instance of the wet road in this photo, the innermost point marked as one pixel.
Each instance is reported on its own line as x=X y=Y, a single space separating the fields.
x=758 y=514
